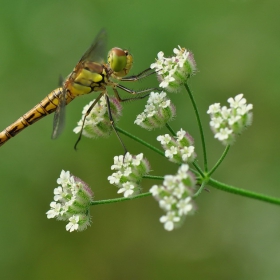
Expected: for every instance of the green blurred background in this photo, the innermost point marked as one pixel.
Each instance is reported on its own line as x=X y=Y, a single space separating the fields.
x=236 y=45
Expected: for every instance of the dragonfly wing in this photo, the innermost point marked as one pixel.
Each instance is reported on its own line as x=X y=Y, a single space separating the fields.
x=95 y=53
x=59 y=115
x=97 y=50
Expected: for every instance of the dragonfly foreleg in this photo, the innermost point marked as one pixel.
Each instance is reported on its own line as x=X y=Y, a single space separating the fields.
x=112 y=123
x=87 y=113
x=138 y=77
x=133 y=92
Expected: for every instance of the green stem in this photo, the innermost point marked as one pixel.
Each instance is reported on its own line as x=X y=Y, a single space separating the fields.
x=242 y=192
x=199 y=125
x=149 y=146
x=219 y=161
x=200 y=189
x=153 y=177
x=140 y=141
x=198 y=169
x=170 y=129
x=114 y=200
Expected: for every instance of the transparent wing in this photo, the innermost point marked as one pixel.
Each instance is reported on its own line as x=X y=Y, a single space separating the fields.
x=97 y=50
x=95 y=53
x=59 y=115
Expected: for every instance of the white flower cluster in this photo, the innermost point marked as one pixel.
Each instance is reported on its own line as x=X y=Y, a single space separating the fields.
x=179 y=149
x=227 y=123
x=130 y=170
x=158 y=111
x=71 y=202
x=97 y=123
x=174 y=71
x=175 y=197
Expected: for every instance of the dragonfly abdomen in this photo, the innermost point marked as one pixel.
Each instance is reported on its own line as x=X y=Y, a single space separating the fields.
x=47 y=106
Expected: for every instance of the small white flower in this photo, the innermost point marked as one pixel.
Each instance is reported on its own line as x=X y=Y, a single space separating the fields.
x=159 y=62
x=170 y=182
x=64 y=178
x=182 y=171
x=233 y=119
x=223 y=134
x=115 y=177
x=55 y=211
x=164 y=139
x=184 y=206
x=179 y=190
x=242 y=110
x=137 y=160
x=59 y=193
x=127 y=171
x=154 y=190
x=180 y=134
x=225 y=112
x=171 y=152
x=127 y=189
x=214 y=108
x=140 y=118
x=169 y=220
x=187 y=152
x=166 y=202
x=216 y=122
x=118 y=162
x=167 y=80
x=237 y=101
x=73 y=223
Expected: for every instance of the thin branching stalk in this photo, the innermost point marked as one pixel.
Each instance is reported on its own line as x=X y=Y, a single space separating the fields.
x=140 y=141
x=219 y=161
x=227 y=188
x=114 y=200
x=170 y=129
x=199 y=125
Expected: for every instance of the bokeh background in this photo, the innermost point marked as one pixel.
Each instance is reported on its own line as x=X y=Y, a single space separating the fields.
x=236 y=45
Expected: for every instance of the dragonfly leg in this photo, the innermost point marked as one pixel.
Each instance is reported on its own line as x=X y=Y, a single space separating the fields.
x=133 y=92
x=147 y=72
x=87 y=113
x=113 y=124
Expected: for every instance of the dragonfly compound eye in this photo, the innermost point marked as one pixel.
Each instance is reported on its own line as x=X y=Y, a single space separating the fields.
x=120 y=61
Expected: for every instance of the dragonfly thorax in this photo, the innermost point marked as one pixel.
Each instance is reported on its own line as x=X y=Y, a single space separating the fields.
x=120 y=61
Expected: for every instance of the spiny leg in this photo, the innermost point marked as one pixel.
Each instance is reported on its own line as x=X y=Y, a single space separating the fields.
x=112 y=123
x=141 y=75
x=87 y=113
x=133 y=92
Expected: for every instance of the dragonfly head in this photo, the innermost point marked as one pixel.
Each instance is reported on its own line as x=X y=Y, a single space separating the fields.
x=120 y=61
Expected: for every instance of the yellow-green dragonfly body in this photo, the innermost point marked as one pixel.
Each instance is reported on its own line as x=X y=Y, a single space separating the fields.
x=89 y=75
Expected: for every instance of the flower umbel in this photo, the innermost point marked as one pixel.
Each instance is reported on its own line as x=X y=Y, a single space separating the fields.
x=130 y=171
x=227 y=123
x=175 y=197
x=179 y=149
x=158 y=111
x=173 y=72
x=71 y=202
x=97 y=123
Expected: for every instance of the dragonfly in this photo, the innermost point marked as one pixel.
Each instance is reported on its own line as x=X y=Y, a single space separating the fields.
x=90 y=74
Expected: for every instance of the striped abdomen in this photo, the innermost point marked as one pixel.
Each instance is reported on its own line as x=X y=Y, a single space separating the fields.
x=47 y=106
